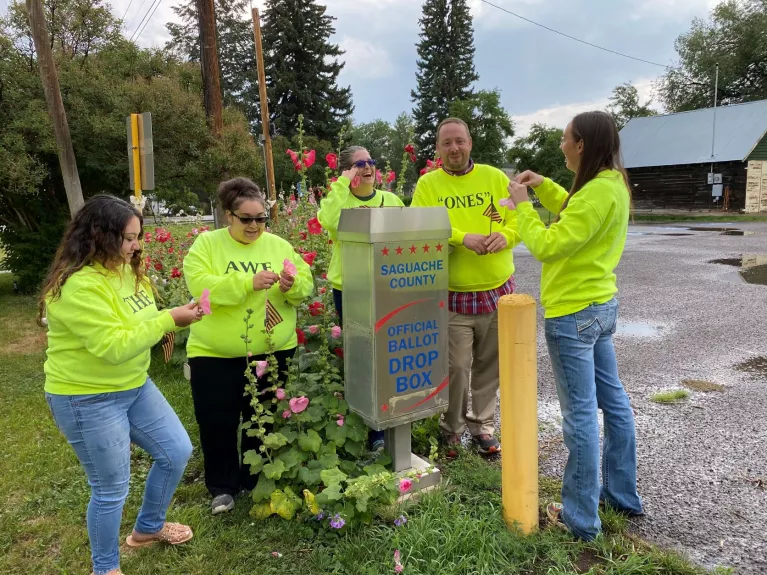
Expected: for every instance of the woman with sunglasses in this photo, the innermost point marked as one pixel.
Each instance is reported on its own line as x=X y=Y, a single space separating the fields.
x=244 y=267
x=354 y=189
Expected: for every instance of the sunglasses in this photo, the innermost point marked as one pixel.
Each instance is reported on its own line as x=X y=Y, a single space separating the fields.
x=247 y=220
x=362 y=163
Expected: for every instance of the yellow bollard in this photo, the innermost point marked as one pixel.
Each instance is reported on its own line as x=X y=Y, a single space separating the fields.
x=134 y=118
x=518 y=364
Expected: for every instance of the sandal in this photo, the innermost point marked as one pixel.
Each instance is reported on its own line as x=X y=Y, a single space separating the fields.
x=553 y=512
x=171 y=533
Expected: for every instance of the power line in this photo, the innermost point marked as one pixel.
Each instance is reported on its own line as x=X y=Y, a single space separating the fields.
x=137 y=33
x=576 y=39
x=138 y=11
x=126 y=10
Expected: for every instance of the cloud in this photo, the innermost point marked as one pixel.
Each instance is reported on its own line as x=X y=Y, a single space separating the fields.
x=560 y=115
x=364 y=59
x=672 y=9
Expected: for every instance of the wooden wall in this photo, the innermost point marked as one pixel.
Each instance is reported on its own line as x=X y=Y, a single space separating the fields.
x=686 y=187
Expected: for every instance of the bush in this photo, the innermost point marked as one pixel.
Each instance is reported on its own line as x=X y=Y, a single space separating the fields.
x=406 y=200
x=30 y=247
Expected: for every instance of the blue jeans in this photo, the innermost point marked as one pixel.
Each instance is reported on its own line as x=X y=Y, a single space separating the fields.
x=586 y=373
x=100 y=428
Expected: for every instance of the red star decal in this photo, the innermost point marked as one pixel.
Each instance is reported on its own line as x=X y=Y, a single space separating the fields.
x=426 y=248
x=441 y=304
x=399 y=251
x=385 y=251
x=439 y=247
x=384 y=407
x=413 y=249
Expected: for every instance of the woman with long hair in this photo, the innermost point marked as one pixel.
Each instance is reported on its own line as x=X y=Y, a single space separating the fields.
x=355 y=188
x=245 y=268
x=102 y=321
x=580 y=252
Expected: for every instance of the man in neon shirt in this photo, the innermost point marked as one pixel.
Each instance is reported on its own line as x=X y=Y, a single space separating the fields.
x=481 y=269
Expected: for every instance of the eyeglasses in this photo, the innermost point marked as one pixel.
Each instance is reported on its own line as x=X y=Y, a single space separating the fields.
x=362 y=163
x=247 y=220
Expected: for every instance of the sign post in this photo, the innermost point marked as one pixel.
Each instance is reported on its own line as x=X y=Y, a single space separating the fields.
x=140 y=156
x=396 y=322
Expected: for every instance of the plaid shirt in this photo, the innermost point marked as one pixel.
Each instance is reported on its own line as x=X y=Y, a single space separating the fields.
x=479 y=302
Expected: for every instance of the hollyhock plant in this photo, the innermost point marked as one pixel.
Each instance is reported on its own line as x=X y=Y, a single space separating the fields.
x=205 y=301
x=309 y=159
x=301 y=336
x=390 y=177
x=298 y=404
x=316 y=308
x=289 y=267
x=279 y=393
x=405 y=485
x=335 y=331
x=314 y=226
x=332 y=161
x=286 y=414
x=261 y=368
x=309 y=257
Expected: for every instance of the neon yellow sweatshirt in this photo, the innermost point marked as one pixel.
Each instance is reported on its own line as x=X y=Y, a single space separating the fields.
x=471 y=201
x=100 y=332
x=226 y=267
x=581 y=251
x=339 y=198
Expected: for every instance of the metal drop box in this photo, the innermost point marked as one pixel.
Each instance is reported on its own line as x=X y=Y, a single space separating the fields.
x=395 y=313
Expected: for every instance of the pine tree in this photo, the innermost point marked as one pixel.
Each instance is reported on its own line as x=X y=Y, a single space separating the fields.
x=236 y=51
x=445 y=67
x=302 y=69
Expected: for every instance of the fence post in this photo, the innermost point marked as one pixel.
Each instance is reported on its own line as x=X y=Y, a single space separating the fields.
x=518 y=364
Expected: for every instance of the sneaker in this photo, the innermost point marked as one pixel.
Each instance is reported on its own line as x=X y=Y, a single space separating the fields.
x=222 y=503
x=378 y=446
x=604 y=505
x=452 y=443
x=553 y=512
x=487 y=444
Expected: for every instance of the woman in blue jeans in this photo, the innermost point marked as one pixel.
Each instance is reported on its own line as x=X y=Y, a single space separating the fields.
x=580 y=252
x=102 y=321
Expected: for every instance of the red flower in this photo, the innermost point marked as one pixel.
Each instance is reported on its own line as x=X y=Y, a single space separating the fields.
x=314 y=226
x=175 y=273
x=316 y=308
x=309 y=257
x=158 y=266
x=332 y=161
x=302 y=235
x=410 y=149
x=170 y=250
x=390 y=177
x=148 y=261
x=424 y=171
x=324 y=276
x=147 y=237
x=204 y=229
x=309 y=159
x=333 y=180
x=301 y=336
x=322 y=290
x=379 y=177
x=293 y=156
x=413 y=158
x=339 y=351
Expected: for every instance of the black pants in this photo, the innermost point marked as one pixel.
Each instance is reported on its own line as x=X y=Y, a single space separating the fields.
x=339 y=303
x=218 y=392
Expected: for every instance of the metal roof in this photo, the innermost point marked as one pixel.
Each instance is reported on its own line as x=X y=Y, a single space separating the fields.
x=685 y=138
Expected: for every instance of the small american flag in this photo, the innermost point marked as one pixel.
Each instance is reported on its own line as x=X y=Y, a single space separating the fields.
x=492 y=213
x=167 y=343
x=273 y=318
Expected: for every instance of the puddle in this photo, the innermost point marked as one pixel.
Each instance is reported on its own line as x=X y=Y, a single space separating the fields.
x=677 y=235
x=639 y=329
x=755 y=366
x=753 y=267
x=723 y=231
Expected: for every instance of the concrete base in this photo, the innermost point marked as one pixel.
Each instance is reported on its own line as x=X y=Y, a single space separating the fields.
x=431 y=476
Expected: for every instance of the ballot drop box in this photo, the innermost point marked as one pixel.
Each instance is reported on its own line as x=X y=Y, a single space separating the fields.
x=395 y=307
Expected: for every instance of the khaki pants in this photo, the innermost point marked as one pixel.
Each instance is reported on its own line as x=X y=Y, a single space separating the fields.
x=473 y=362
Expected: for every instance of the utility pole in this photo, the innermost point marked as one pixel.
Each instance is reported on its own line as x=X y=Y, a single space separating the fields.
x=713 y=133
x=55 y=106
x=264 y=103
x=211 y=82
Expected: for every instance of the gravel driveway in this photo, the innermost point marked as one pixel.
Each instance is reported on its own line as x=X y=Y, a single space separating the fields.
x=702 y=461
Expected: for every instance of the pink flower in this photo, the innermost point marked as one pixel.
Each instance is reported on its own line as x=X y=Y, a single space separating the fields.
x=332 y=161
x=298 y=404
x=205 y=301
x=398 y=568
x=286 y=414
x=261 y=367
x=379 y=177
x=313 y=329
x=309 y=159
x=507 y=202
x=195 y=231
x=289 y=267
x=340 y=421
x=335 y=331
x=390 y=177
x=405 y=485
x=279 y=393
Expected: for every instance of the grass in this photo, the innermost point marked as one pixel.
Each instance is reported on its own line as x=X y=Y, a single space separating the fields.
x=674 y=396
x=703 y=386
x=455 y=530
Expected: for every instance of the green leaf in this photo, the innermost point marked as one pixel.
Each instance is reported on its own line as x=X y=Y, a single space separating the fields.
x=384 y=458
x=362 y=504
x=284 y=505
x=335 y=433
x=290 y=435
x=308 y=360
x=356 y=430
x=315 y=413
x=374 y=469
x=290 y=458
x=275 y=440
x=349 y=467
x=329 y=494
x=327 y=461
x=332 y=476
x=309 y=476
x=274 y=470
x=263 y=489
x=354 y=448
x=310 y=441
x=261 y=511
x=255 y=460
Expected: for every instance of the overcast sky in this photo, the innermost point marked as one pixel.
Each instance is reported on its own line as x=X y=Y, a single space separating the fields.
x=543 y=77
